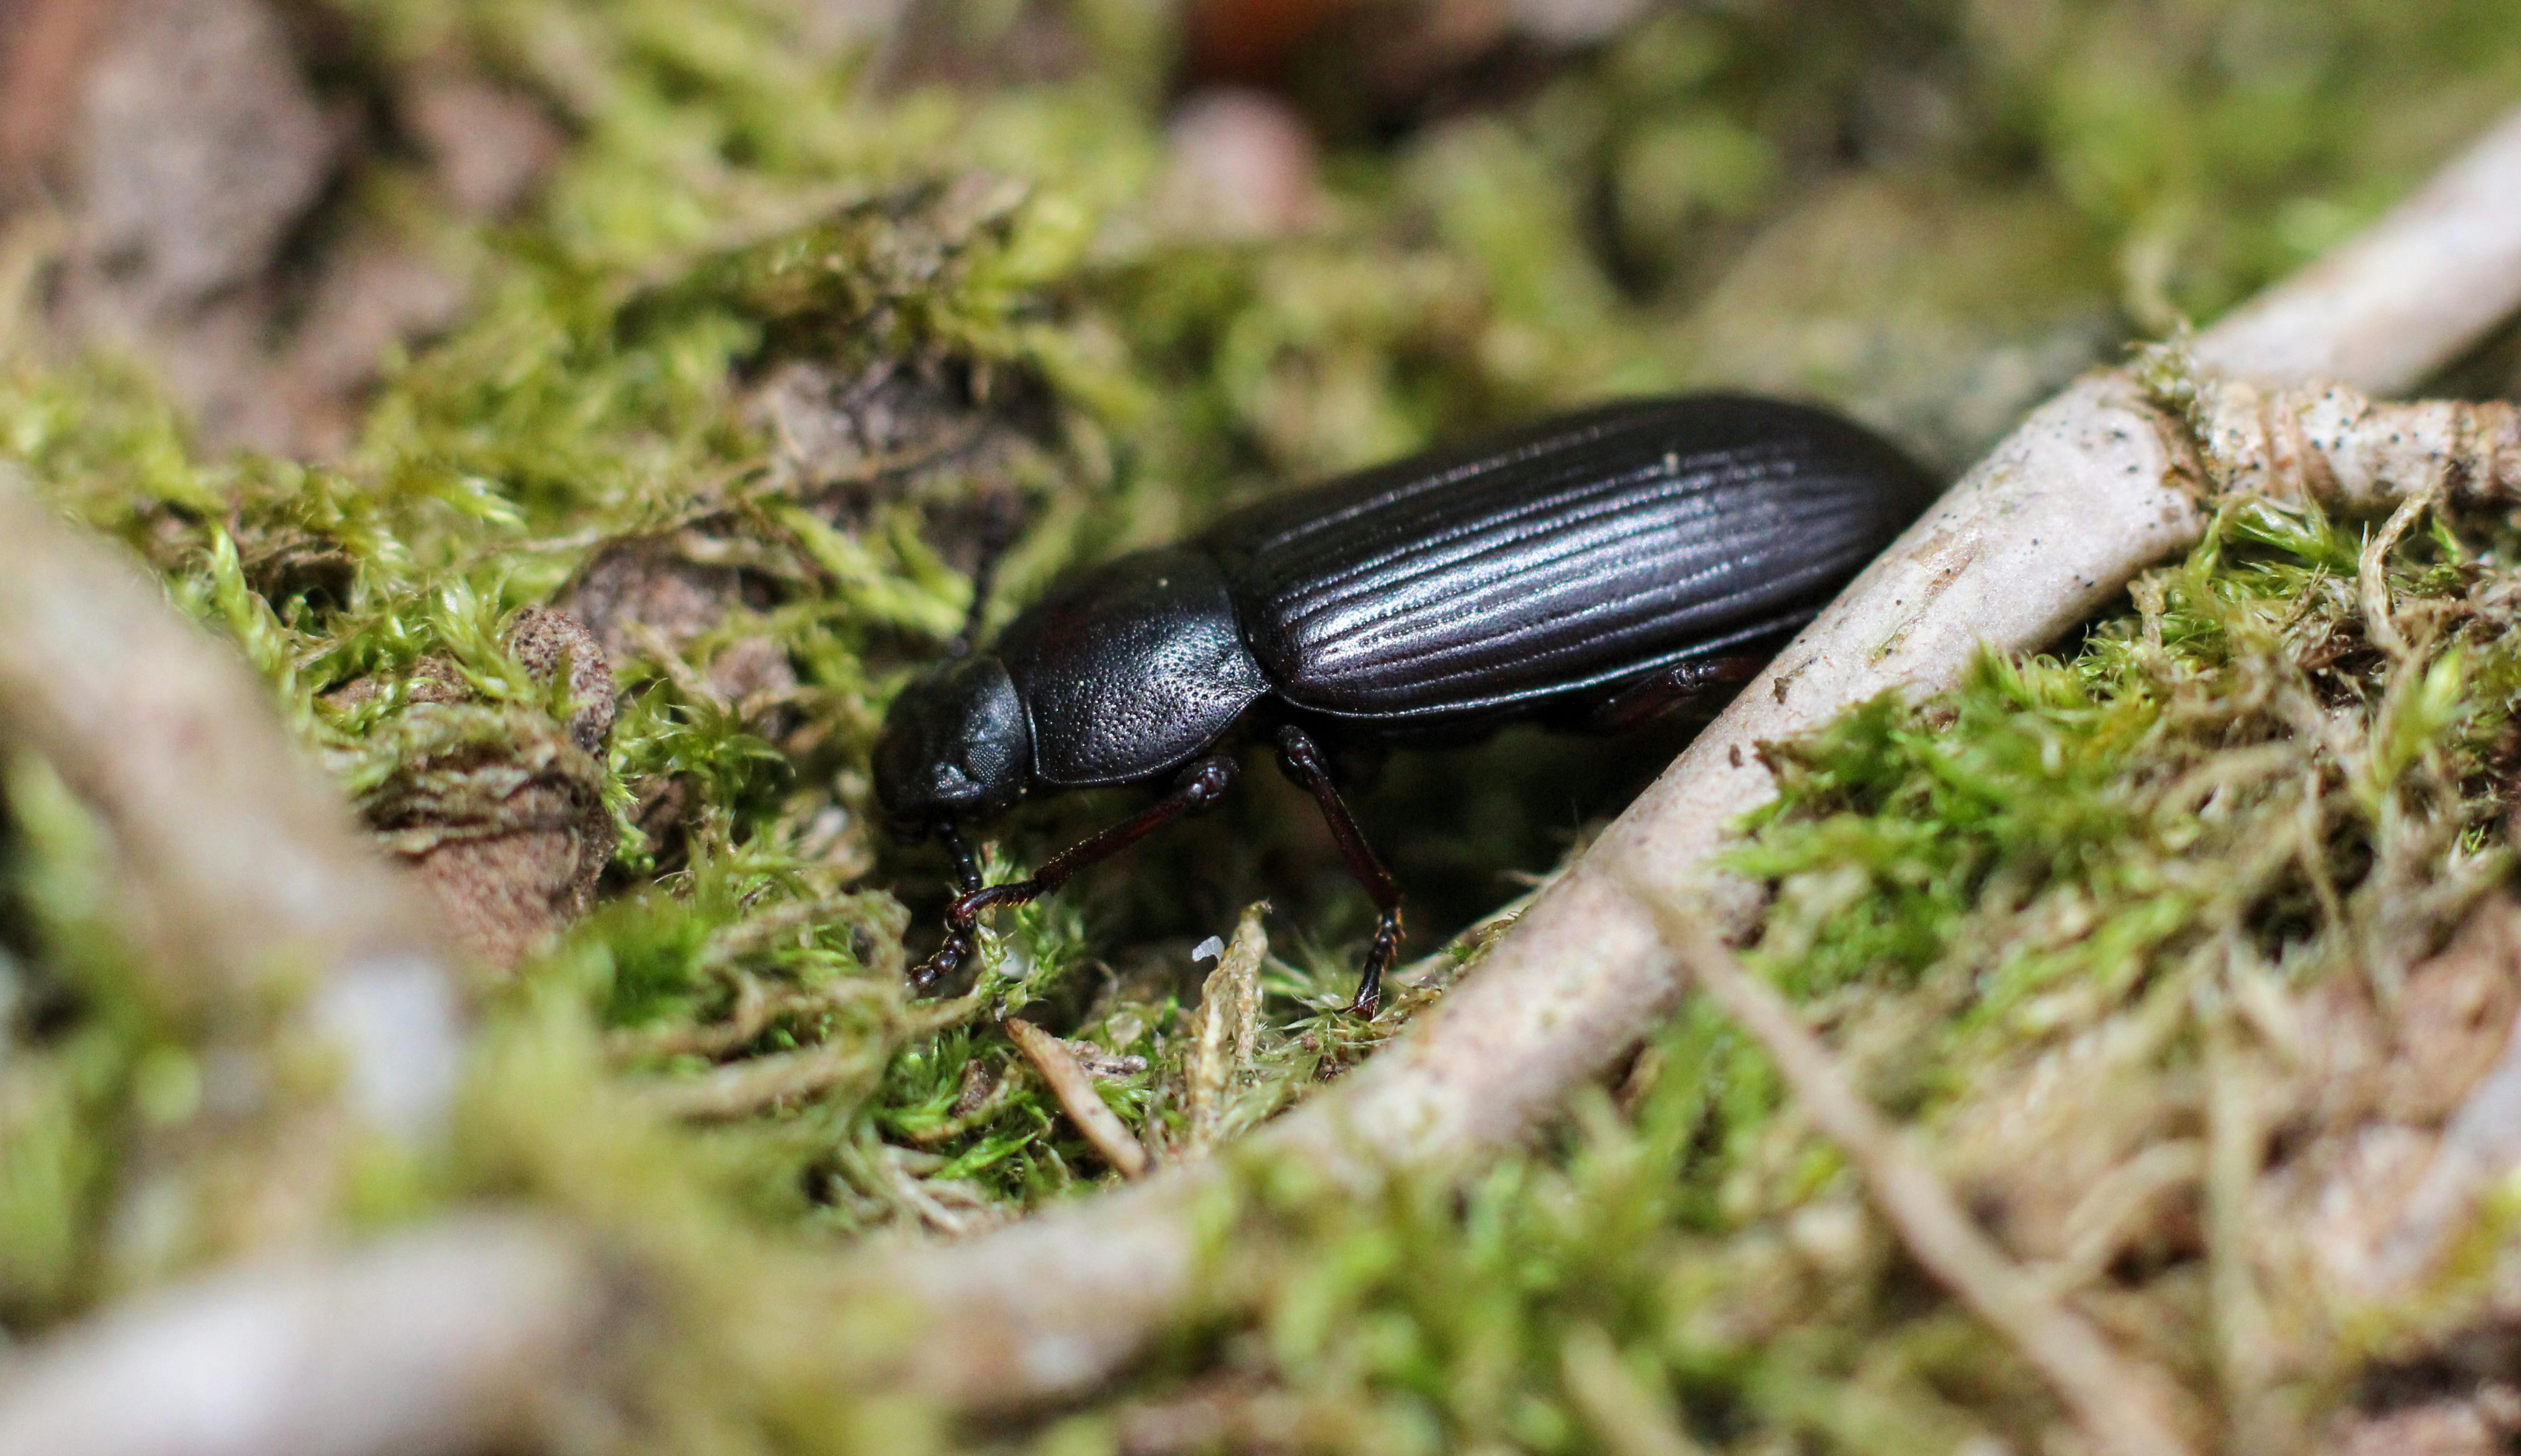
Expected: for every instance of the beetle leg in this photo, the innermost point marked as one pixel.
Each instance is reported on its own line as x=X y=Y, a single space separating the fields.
x=1670 y=690
x=1301 y=758
x=1201 y=785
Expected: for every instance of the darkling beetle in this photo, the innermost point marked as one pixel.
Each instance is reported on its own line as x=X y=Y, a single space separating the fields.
x=1593 y=570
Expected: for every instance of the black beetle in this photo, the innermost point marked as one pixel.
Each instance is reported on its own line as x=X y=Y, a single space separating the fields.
x=1597 y=568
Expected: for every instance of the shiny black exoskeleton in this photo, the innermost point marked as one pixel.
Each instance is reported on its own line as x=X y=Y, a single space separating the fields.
x=1599 y=567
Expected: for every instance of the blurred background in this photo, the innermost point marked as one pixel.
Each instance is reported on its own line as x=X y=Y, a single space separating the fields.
x=1930 y=211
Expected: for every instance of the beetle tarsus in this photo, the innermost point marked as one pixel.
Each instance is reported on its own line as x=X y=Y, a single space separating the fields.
x=967 y=865
x=1302 y=760
x=1378 y=958
x=1682 y=687
x=942 y=963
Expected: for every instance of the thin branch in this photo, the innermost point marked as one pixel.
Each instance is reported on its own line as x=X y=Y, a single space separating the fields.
x=425 y=1344
x=2122 y=1406
x=2399 y=300
x=2094 y=487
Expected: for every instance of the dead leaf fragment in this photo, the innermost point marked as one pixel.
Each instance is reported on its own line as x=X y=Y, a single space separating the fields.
x=1074 y=1087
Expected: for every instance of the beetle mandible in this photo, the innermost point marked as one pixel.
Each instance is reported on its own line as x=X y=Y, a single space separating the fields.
x=1597 y=567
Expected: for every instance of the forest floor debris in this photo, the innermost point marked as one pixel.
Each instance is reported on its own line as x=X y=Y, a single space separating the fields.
x=763 y=357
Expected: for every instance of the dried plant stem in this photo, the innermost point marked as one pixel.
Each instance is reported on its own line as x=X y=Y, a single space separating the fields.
x=263 y=920
x=757 y=1084
x=2122 y=1406
x=2398 y=302
x=2333 y=442
x=2094 y=487
x=1225 y=1031
x=1074 y=1087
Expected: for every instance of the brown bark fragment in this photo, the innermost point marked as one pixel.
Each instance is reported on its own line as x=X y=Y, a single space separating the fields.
x=501 y=814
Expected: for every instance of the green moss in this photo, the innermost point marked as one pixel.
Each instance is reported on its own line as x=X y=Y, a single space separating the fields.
x=1925 y=212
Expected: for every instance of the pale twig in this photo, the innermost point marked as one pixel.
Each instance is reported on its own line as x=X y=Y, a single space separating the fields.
x=437 y=1340
x=1074 y=1087
x=2398 y=300
x=2092 y=487
x=2122 y=1406
x=263 y=919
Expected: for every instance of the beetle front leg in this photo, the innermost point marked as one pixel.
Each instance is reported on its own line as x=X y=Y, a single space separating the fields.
x=1201 y=785
x=1301 y=758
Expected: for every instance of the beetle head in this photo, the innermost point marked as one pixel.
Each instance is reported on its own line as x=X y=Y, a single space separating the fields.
x=955 y=747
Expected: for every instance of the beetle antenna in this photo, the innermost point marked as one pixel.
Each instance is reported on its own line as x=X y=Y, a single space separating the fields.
x=985 y=579
x=967 y=869
x=960 y=940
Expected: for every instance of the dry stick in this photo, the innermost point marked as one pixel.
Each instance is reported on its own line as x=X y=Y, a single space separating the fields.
x=428 y=1343
x=257 y=890
x=2089 y=491
x=2122 y=1405
x=1074 y=1087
